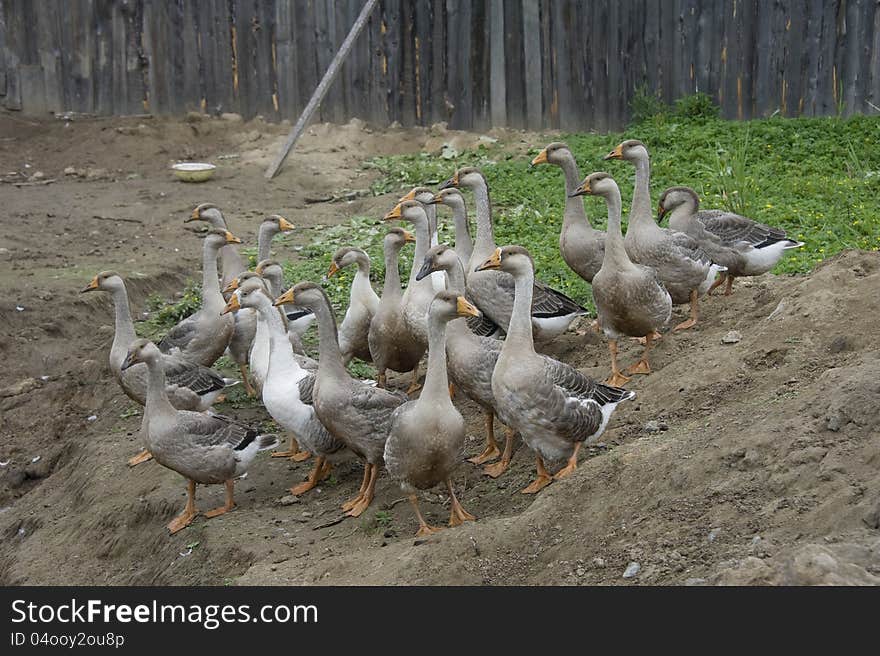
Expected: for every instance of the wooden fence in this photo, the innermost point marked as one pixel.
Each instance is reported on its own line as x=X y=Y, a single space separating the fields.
x=520 y=63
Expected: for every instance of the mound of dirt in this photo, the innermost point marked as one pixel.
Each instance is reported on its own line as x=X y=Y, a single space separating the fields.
x=753 y=459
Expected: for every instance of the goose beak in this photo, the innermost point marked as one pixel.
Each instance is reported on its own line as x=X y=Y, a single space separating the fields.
x=617 y=153
x=284 y=225
x=195 y=216
x=451 y=182
x=493 y=262
x=408 y=237
x=541 y=158
x=410 y=196
x=92 y=286
x=394 y=214
x=465 y=308
x=286 y=297
x=426 y=270
x=232 y=305
x=130 y=360
x=584 y=188
x=437 y=199
x=333 y=269
x=231 y=287
x=259 y=270
x=661 y=212
x=232 y=239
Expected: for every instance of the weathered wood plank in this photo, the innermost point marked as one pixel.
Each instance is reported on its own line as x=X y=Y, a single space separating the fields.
x=532 y=56
x=497 y=77
x=514 y=65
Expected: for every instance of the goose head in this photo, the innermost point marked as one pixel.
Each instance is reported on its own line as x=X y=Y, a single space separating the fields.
x=408 y=210
x=451 y=197
x=597 y=184
x=396 y=239
x=421 y=194
x=210 y=213
x=467 y=176
x=249 y=294
x=236 y=282
x=514 y=260
x=447 y=306
x=106 y=281
x=275 y=223
x=346 y=256
x=141 y=350
x=270 y=271
x=631 y=150
x=438 y=258
x=218 y=238
x=304 y=294
x=675 y=197
x=554 y=153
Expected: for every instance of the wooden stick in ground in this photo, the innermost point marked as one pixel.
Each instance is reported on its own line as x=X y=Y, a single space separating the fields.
x=322 y=89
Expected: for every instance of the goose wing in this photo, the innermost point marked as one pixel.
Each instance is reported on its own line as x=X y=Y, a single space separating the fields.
x=180 y=336
x=548 y=302
x=577 y=401
x=199 y=379
x=733 y=228
x=307 y=389
x=215 y=430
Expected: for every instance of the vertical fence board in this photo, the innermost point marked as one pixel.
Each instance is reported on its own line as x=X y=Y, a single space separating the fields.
x=535 y=64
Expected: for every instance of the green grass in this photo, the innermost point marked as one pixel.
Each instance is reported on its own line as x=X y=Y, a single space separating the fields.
x=818 y=178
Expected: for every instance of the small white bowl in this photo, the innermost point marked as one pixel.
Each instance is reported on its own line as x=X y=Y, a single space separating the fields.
x=194 y=171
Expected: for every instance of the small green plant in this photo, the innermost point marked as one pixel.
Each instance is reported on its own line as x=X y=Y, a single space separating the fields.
x=646 y=105
x=165 y=314
x=730 y=179
x=383 y=518
x=698 y=106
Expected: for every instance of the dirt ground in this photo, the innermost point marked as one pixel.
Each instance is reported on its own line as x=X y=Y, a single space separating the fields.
x=756 y=461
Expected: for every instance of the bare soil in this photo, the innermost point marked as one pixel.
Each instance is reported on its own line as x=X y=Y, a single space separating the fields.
x=749 y=462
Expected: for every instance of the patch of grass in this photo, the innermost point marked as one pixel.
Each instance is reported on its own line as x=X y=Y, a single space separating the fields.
x=817 y=178
x=165 y=314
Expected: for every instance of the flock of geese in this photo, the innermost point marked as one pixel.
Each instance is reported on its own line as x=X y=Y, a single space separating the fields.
x=475 y=308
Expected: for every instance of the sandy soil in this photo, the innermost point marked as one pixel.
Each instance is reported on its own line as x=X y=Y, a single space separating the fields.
x=750 y=462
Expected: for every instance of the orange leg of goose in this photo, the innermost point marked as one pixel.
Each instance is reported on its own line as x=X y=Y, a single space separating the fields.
x=491 y=451
x=293 y=451
x=617 y=379
x=695 y=313
x=424 y=527
x=571 y=465
x=351 y=503
x=496 y=469
x=226 y=507
x=729 y=289
x=368 y=494
x=720 y=279
x=457 y=514
x=414 y=385
x=319 y=472
x=642 y=366
x=451 y=391
x=189 y=513
x=143 y=456
x=251 y=392
x=543 y=480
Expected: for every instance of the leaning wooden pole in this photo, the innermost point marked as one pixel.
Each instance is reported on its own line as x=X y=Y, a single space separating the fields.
x=322 y=89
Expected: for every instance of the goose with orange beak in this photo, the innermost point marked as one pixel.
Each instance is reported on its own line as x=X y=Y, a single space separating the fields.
x=363 y=302
x=389 y=339
x=581 y=245
x=188 y=385
x=630 y=298
x=426 y=437
x=203 y=336
x=553 y=406
x=231 y=263
x=352 y=412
